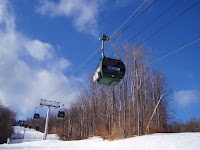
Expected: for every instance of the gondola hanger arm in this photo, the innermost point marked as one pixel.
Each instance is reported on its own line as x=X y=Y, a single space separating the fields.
x=104 y=38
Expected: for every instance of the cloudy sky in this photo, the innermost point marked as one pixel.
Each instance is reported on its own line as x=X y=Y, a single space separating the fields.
x=43 y=41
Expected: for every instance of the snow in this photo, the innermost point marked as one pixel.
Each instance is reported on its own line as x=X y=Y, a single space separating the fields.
x=163 y=141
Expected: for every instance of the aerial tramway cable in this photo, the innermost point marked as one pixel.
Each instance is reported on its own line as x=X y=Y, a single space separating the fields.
x=181 y=14
x=161 y=27
x=131 y=23
x=151 y=23
x=193 y=42
x=62 y=84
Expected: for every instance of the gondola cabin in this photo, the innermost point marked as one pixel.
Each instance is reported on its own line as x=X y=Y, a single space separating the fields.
x=109 y=71
x=36 y=116
x=37 y=128
x=61 y=115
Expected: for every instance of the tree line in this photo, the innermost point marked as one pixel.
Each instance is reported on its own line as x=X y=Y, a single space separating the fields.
x=7 y=120
x=123 y=111
x=192 y=125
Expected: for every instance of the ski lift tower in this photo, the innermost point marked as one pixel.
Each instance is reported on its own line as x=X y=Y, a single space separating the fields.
x=48 y=104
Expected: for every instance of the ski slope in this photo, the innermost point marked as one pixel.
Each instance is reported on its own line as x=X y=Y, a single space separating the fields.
x=165 y=141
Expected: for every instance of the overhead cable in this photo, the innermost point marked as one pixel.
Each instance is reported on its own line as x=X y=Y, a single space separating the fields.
x=131 y=23
x=181 y=14
x=62 y=84
x=150 y=23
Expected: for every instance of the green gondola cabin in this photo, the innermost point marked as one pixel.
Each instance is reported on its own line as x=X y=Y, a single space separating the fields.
x=60 y=115
x=36 y=116
x=109 y=71
x=37 y=128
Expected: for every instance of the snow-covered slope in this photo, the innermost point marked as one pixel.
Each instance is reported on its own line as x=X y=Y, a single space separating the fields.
x=164 y=141
x=32 y=135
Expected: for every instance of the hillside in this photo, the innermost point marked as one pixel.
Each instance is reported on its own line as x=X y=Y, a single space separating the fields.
x=165 y=141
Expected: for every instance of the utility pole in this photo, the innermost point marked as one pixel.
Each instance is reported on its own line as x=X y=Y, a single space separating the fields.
x=48 y=104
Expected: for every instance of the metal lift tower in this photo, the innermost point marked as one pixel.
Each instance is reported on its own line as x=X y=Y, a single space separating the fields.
x=48 y=104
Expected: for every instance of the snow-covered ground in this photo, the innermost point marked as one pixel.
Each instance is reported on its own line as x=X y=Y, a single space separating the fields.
x=164 y=141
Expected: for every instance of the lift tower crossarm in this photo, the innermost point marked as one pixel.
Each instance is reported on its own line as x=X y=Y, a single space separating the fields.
x=49 y=103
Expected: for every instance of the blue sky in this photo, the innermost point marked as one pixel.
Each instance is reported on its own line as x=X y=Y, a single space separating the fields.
x=43 y=41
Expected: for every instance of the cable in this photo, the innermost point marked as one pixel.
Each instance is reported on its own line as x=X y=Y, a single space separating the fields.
x=128 y=19
x=140 y=14
x=131 y=23
x=156 y=31
x=54 y=91
x=68 y=92
x=62 y=84
x=75 y=89
x=78 y=73
x=75 y=83
x=161 y=28
x=150 y=23
x=149 y=36
x=181 y=14
x=173 y=52
x=156 y=59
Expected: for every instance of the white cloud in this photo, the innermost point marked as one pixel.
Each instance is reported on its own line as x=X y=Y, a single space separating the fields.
x=5 y=18
x=60 y=65
x=84 y=13
x=23 y=82
x=38 y=49
x=187 y=97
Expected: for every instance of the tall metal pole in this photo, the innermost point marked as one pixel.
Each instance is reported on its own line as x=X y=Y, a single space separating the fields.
x=46 y=125
x=48 y=104
x=154 y=112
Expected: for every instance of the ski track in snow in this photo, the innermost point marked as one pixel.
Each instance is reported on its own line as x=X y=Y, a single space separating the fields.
x=163 y=141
